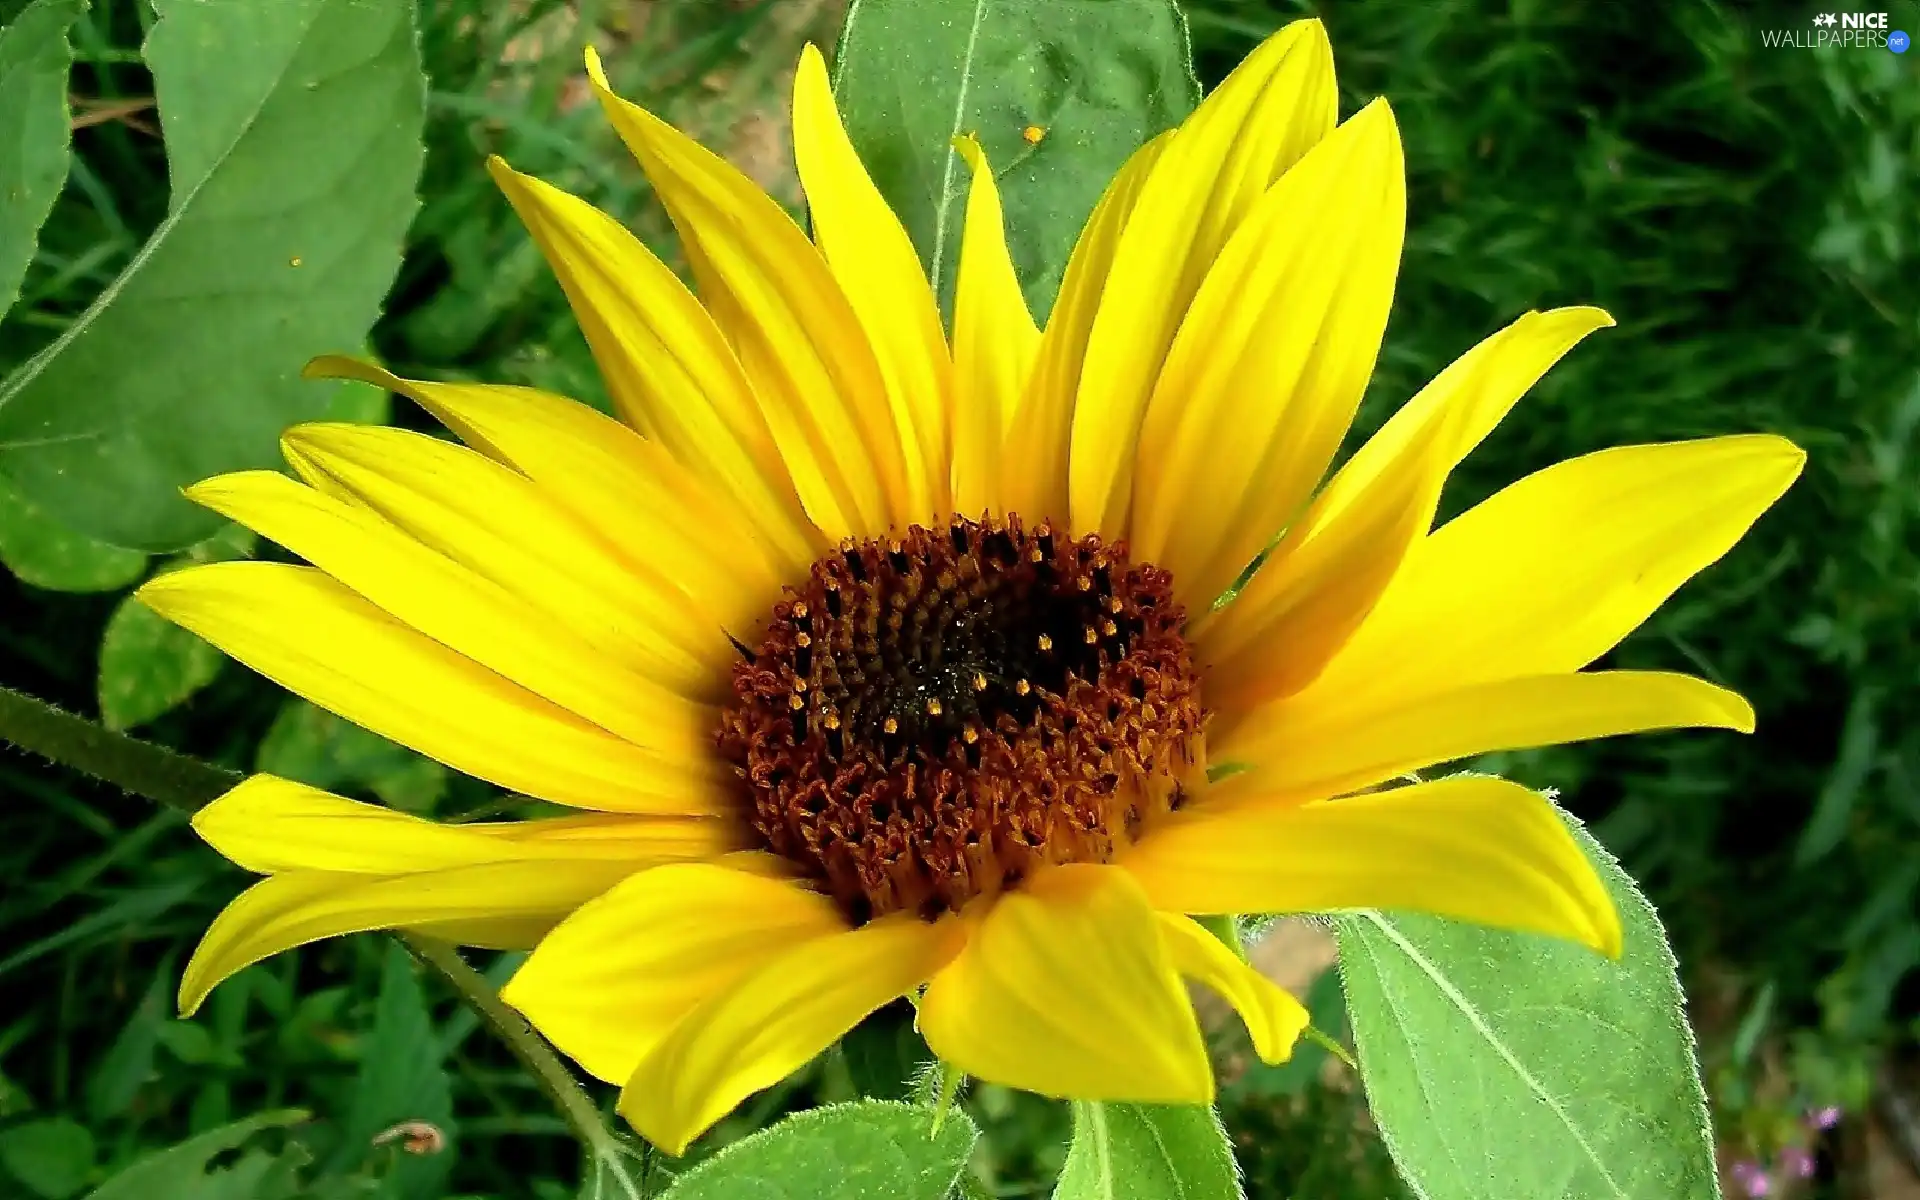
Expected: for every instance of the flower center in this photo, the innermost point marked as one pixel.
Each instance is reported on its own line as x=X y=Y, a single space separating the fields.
x=930 y=717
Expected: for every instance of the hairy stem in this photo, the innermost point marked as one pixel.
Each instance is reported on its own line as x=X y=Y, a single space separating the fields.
x=128 y=763
x=607 y=1150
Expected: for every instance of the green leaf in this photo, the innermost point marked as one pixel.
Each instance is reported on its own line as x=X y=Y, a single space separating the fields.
x=231 y=542
x=293 y=142
x=1859 y=753
x=43 y=552
x=885 y=1053
x=402 y=1078
x=1099 y=77
x=34 y=131
x=315 y=747
x=867 y=1150
x=1147 y=1152
x=128 y=1062
x=53 y=1157
x=185 y=1171
x=359 y=403
x=149 y=665
x=1504 y=1064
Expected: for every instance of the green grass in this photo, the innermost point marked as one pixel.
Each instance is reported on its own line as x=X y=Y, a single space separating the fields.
x=1746 y=213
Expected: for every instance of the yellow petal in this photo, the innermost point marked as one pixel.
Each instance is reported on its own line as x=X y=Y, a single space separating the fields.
x=1322 y=580
x=1483 y=384
x=1274 y=1018
x=1275 y=107
x=668 y=368
x=462 y=610
x=677 y=527
x=772 y=1022
x=797 y=337
x=1553 y=571
x=613 y=980
x=297 y=907
x=314 y=637
x=1471 y=847
x=1268 y=368
x=870 y=254
x=667 y=365
x=1305 y=751
x=1066 y=988
x=498 y=524
x=268 y=824
x=994 y=342
x=1033 y=471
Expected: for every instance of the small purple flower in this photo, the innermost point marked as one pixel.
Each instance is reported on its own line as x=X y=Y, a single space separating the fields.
x=1752 y=1178
x=1795 y=1161
x=1824 y=1118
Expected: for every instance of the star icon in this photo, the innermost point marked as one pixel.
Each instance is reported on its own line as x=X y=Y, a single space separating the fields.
x=1824 y=19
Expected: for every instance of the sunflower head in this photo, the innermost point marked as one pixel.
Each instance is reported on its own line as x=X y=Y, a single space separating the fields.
x=884 y=659
x=936 y=715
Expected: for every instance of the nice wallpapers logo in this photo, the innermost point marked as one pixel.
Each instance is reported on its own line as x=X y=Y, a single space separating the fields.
x=1847 y=30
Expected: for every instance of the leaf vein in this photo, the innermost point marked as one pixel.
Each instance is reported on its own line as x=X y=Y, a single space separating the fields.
x=949 y=157
x=1479 y=1023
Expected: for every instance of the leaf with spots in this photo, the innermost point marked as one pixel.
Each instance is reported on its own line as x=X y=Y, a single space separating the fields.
x=149 y=666
x=1059 y=92
x=293 y=144
x=41 y=551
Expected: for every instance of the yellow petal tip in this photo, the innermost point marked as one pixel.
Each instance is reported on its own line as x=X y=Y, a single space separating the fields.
x=968 y=147
x=1740 y=713
x=154 y=598
x=595 y=72
x=343 y=366
x=1587 y=317
x=204 y=491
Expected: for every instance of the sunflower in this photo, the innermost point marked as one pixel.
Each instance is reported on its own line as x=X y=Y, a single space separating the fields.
x=884 y=663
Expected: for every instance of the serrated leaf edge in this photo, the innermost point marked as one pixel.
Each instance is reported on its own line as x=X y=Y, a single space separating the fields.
x=815 y=1116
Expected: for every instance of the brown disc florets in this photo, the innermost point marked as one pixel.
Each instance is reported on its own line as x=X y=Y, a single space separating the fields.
x=932 y=716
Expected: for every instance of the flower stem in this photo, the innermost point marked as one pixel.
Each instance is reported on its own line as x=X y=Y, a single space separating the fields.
x=128 y=763
x=605 y=1148
x=187 y=784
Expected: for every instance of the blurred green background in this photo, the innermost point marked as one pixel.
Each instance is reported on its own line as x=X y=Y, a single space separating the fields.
x=1747 y=213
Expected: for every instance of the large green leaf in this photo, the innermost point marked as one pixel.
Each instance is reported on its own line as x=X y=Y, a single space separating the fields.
x=41 y=551
x=867 y=1150
x=34 y=134
x=1502 y=1064
x=1098 y=77
x=1147 y=1152
x=293 y=144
